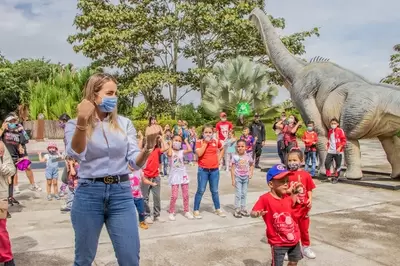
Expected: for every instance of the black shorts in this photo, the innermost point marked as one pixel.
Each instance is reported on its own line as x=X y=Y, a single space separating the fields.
x=278 y=254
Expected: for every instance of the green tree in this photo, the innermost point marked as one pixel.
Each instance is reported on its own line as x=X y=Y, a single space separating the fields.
x=238 y=80
x=394 y=77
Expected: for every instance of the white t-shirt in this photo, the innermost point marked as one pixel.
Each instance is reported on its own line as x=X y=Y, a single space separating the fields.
x=177 y=172
x=332 y=144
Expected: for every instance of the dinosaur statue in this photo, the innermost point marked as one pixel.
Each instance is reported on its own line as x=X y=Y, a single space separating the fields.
x=322 y=90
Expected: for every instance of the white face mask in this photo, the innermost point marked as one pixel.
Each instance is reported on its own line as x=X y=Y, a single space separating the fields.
x=223 y=119
x=333 y=126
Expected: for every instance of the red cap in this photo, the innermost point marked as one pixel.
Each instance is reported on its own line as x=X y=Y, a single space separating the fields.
x=222 y=114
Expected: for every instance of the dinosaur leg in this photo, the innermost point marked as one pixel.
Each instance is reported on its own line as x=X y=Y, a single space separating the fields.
x=352 y=156
x=309 y=111
x=391 y=145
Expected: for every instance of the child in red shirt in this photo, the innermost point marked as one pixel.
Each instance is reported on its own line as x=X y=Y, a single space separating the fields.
x=152 y=174
x=335 y=146
x=304 y=198
x=207 y=149
x=310 y=139
x=276 y=208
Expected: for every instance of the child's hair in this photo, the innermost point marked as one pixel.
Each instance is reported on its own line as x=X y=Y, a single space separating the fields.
x=204 y=128
x=176 y=135
x=297 y=151
x=244 y=128
x=151 y=118
x=334 y=120
x=167 y=131
x=241 y=141
x=310 y=122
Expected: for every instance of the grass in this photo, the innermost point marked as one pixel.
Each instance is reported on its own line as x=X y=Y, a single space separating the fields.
x=268 y=128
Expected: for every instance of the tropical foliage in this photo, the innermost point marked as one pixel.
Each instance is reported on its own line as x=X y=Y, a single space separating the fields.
x=394 y=64
x=238 y=80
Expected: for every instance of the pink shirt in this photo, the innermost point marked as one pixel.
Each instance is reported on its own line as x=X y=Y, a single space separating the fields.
x=135 y=179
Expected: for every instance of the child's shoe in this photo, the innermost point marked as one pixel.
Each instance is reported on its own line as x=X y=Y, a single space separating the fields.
x=189 y=215
x=57 y=197
x=286 y=258
x=16 y=190
x=35 y=187
x=197 y=215
x=65 y=209
x=49 y=197
x=237 y=214
x=172 y=217
x=143 y=225
x=220 y=213
x=149 y=220
x=309 y=253
x=244 y=213
x=159 y=219
x=61 y=194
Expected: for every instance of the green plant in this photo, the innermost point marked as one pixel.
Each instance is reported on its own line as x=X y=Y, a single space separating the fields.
x=140 y=125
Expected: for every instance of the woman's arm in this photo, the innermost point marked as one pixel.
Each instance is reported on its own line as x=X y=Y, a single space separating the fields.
x=295 y=128
x=72 y=168
x=7 y=167
x=71 y=135
x=135 y=157
x=279 y=125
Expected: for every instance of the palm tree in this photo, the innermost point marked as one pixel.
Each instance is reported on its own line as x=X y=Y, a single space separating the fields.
x=235 y=81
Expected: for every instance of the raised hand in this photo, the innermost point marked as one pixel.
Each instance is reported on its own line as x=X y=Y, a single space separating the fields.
x=151 y=136
x=4 y=126
x=85 y=109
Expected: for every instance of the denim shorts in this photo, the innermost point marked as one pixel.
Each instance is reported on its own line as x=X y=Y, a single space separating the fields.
x=51 y=173
x=278 y=254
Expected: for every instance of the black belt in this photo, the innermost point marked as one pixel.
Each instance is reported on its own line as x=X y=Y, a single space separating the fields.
x=114 y=179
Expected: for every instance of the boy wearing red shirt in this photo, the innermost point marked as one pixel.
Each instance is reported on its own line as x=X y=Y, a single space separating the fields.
x=276 y=209
x=310 y=139
x=223 y=127
x=335 y=146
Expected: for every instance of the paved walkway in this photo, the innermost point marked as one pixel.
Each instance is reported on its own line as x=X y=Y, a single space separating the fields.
x=350 y=226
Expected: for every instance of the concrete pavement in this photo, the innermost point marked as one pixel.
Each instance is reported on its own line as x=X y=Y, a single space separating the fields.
x=351 y=225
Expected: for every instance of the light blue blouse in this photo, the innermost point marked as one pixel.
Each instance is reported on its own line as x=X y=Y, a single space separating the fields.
x=104 y=157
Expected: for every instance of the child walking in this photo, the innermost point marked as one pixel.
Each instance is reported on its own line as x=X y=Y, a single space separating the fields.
x=51 y=174
x=304 y=198
x=249 y=139
x=335 y=146
x=310 y=139
x=152 y=174
x=72 y=168
x=209 y=151
x=230 y=144
x=178 y=176
x=276 y=209
x=241 y=171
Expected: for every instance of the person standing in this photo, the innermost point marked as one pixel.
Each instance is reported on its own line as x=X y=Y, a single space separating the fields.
x=257 y=130
x=223 y=128
x=105 y=144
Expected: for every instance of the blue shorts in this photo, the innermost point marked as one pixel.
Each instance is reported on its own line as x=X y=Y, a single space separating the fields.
x=51 y=173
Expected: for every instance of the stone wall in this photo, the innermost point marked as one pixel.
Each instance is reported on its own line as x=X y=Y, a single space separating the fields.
x=51 y=131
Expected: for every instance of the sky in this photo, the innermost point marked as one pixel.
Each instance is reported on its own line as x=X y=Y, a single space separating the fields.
x=356 y=34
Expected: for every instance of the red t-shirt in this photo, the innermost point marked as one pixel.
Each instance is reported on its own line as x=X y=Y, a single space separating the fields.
x=282 y=230
x=307 y=184
x=209 y=159
x=153 y=164
x=223 y=128
x=288 y=136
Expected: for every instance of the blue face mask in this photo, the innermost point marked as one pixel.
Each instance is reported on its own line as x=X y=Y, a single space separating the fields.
x=12 y=126
x=108 y=104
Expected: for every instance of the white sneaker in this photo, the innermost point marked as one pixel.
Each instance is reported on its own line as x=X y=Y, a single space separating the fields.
x=197 y=215
x=220 y=213
x=35 y=187
x=149 y=220
x=286 y=257
x=159 y=219
x=309 y=253
x=172 y=217
x=189 y=215
x=16 y=190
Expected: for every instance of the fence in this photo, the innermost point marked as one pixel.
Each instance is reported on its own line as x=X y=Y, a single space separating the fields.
x=51 y=129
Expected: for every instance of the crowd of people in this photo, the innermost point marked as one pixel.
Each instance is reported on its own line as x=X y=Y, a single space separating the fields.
x=111 y=170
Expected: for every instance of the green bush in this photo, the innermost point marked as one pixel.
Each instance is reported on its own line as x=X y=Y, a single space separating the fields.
x=142 y=124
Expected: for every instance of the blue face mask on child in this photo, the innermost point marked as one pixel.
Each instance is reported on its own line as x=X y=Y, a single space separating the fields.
x=108 y=104
x=12 y=126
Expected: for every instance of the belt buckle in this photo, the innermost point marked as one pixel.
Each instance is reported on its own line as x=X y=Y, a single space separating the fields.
x=108 y=179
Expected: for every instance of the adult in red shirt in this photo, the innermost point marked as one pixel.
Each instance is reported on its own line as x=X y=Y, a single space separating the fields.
x=223 y=127
x=289 y=134
x=276 y=209
x=151 y=172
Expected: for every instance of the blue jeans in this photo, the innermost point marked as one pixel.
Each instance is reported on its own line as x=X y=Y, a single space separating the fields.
x=203 y=177
x=311 y=160
x=96 y=204
x=139 y=203
x=164 y=161
x=241 y=185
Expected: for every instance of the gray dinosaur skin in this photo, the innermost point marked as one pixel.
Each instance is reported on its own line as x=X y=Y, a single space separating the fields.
x=322 y=90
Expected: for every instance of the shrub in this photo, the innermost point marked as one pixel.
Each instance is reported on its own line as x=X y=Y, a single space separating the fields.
x=142 y=124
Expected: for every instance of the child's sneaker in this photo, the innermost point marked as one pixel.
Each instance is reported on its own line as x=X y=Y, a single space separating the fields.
x=197 y=215
x=244 y=213
x=237 y=214
x=57 y=197
x=159 y=219
x=65 y=209
x=189 y=215
x=171 y=217
x=16 y=190
x=220 y=213
x=309 y=253
x=286 y=258
x=49 y=197
x=149 y=220
x=61 y=194
x=143 y=225
x=35 y=187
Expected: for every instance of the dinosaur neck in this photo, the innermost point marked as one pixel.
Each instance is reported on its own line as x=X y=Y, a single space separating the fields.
x=286 y=64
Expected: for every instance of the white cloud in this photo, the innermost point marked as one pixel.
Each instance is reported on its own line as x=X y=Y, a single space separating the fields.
x=358 y=35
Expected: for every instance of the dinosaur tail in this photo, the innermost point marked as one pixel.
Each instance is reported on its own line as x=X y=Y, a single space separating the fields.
x=285 y=62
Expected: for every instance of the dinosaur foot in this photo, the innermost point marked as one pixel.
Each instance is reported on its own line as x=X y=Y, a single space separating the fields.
x=353 y=173
x=395 y=176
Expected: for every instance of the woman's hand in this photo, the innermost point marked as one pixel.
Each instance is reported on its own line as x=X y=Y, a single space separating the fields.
x=85 y=109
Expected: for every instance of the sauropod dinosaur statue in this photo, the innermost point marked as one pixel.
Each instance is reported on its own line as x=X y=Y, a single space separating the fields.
x=322 y=90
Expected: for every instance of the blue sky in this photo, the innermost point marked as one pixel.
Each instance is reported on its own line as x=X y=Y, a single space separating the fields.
x=355 y=34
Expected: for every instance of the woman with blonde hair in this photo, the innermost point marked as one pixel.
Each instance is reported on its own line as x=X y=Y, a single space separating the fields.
x=105 y=144
x=7 y=170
